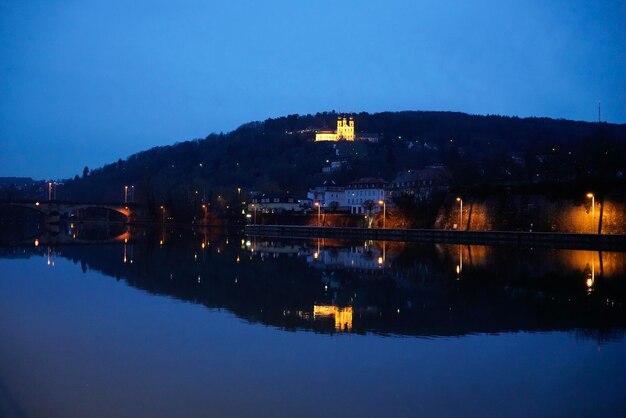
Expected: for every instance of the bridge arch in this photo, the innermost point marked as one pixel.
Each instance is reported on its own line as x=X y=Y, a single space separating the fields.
x=59 y=209
x=124 y=210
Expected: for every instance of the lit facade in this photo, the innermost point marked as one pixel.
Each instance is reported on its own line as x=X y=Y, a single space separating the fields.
x=345 y=131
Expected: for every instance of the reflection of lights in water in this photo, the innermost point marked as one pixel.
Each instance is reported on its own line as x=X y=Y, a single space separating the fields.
x=50 y=258
x=342 y=316
x=199 y=279
x=315 y=255
x=125 y=254
x=591 y=278
x=203 y=245
x=459 y=266
x=237 y=258
x=195 y=256
x=161 y=242
x=380 y=260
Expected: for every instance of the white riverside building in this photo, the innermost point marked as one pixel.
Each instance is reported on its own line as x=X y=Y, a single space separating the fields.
x=328 y=195
x=364 y=194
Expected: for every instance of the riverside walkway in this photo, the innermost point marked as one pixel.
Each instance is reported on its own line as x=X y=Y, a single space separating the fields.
x=519 y=238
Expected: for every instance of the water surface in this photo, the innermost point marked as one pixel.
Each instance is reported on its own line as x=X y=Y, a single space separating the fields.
x=175 y=322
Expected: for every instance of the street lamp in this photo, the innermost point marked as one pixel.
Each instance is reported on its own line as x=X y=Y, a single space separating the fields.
x=132 y=194
x=458 y=199
x=593 y=208
x=319 y=213
x=254 y=207
x=163 y=213
x=384 y=205
x=125 y=194
x=204 y=206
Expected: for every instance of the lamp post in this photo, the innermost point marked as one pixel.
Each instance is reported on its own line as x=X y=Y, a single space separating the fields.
x=384 y=205
x=254 y=207
x=163 y=213
x=204 y=206
x=49 y=190
x=132 y=194
x=593 y=208
x=125 y=194
x=319 y=213
x=458 y=199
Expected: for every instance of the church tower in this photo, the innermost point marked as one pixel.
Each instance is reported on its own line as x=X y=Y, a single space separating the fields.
x=345 y=128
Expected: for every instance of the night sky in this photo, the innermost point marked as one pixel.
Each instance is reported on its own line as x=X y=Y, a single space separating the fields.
x=88 y=82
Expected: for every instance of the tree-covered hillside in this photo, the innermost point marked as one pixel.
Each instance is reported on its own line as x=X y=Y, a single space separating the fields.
x=280 y=155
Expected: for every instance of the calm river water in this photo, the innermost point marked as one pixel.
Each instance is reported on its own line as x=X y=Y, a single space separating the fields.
x=183 y=323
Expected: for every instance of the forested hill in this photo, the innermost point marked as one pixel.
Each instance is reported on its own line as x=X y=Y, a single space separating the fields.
x=280 y=155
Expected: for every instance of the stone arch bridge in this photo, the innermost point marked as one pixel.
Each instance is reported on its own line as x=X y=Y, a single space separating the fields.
x=53 y=210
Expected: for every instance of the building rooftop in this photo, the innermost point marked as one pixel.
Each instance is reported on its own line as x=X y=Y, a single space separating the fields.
x=368 y=182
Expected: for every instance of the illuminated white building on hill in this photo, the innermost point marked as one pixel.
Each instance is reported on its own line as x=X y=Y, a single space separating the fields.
x=345 y=131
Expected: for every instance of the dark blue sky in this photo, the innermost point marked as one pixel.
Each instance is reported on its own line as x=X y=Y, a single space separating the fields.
x=88 y=82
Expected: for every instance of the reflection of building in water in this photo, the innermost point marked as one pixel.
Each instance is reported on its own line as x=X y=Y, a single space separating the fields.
x=367 y=257
x=274 y=249
x=342 y=316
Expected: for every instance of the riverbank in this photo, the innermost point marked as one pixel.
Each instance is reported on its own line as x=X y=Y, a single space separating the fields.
x=519 y=238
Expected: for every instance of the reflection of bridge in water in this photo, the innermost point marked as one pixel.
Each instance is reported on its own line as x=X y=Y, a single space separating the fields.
x=51 y=238
x=54 y=210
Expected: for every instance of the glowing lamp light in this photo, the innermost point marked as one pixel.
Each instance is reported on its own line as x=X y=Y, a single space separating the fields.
x=380 y=260
x=36 y=243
